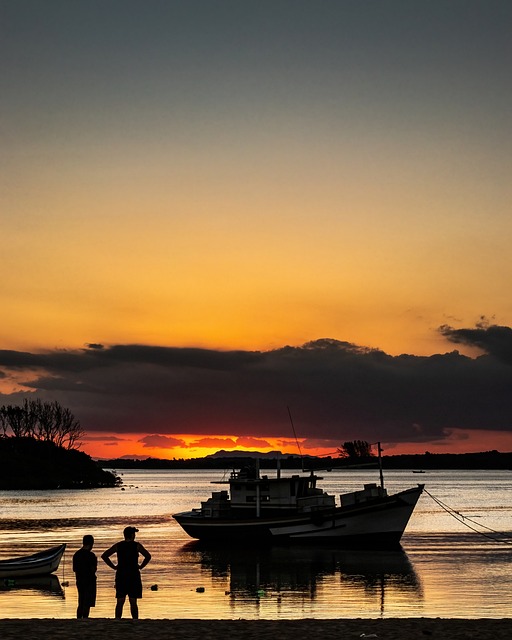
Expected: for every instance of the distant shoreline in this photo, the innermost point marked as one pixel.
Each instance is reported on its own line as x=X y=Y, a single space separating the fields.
x=184 y=629
x=486 y=460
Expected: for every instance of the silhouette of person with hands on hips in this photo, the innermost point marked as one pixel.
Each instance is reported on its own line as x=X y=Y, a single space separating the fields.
x=85 y=564
x=128 y=580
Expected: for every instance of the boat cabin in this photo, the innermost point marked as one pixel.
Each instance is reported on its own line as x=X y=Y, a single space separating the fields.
x=262 y=495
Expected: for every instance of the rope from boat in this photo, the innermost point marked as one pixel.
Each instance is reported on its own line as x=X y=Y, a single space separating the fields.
x=465 y=519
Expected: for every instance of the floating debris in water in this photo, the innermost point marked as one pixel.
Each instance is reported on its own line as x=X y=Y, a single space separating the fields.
x=200 y=589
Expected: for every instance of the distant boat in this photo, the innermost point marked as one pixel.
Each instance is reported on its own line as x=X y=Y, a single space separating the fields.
x=37 y=564
x=285 y=509
x=418 y=471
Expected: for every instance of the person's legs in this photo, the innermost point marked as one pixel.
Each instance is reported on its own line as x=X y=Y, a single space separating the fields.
x=134 y=608
x=119 y=607
x=82 y=610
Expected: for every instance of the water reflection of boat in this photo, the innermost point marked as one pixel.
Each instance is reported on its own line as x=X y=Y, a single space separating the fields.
x=300 y=570
x=48 y=585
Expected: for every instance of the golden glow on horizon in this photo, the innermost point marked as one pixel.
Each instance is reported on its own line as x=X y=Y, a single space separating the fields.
x=116 y=445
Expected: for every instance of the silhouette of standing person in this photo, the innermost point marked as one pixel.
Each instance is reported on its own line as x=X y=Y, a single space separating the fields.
x=85 y=564
x=128 y=580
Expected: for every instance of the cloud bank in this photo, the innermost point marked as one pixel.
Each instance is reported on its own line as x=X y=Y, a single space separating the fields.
x=335 y=390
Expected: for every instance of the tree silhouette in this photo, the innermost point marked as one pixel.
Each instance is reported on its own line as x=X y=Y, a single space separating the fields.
x=355 y=450
x=44 y=421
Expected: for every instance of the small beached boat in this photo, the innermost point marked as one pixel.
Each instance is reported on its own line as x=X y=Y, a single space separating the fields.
x=37 y=564
x=274 y=509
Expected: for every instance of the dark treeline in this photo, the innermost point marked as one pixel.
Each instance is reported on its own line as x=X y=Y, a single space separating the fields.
x=483 y=460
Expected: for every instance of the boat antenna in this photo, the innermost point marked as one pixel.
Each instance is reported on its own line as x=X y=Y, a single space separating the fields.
x=379 y=453
x=296 y=439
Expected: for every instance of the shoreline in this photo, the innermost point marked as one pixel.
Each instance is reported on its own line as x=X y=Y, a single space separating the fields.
x=191 y=629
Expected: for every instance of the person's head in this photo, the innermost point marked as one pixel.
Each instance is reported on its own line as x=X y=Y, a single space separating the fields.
x=129 y=533
x=88 y=541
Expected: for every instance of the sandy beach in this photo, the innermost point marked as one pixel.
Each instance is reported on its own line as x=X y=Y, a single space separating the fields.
x=126 y=629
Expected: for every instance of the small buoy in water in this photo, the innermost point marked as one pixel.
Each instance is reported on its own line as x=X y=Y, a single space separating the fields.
x=154 y=587
x=122 y=488
x=65 y=584
x=200 y=589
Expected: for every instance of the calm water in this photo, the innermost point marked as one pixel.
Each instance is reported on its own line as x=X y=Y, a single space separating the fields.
x=444 y=569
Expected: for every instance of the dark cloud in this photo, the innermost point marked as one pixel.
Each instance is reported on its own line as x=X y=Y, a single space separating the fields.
x=491 y=339
x=224 y=443
x=314 y=443
x=174 y=357
x=109 y=438
x=335 y=390
x=249 y=442
x=161 y=442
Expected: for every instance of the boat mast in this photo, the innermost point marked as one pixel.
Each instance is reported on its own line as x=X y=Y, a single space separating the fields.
x=296 y=439
x=379 y=451
x=258 y=493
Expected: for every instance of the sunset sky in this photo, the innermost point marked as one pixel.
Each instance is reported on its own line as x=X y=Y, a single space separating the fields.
x=213 y=210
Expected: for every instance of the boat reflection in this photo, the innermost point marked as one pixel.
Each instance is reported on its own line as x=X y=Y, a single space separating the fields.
x=47 y=585
x=300 y=571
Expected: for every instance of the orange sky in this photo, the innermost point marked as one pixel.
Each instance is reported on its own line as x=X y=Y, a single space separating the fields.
x=320 y=176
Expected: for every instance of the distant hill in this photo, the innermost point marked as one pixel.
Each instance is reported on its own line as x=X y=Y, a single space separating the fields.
x=27 y=463
x=246 y=454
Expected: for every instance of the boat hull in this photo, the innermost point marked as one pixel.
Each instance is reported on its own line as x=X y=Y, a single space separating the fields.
x=379 y=522
x=38 y=564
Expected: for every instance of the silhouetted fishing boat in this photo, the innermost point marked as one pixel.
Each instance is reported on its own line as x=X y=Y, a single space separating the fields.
x=273 y=509
x=37 y=564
